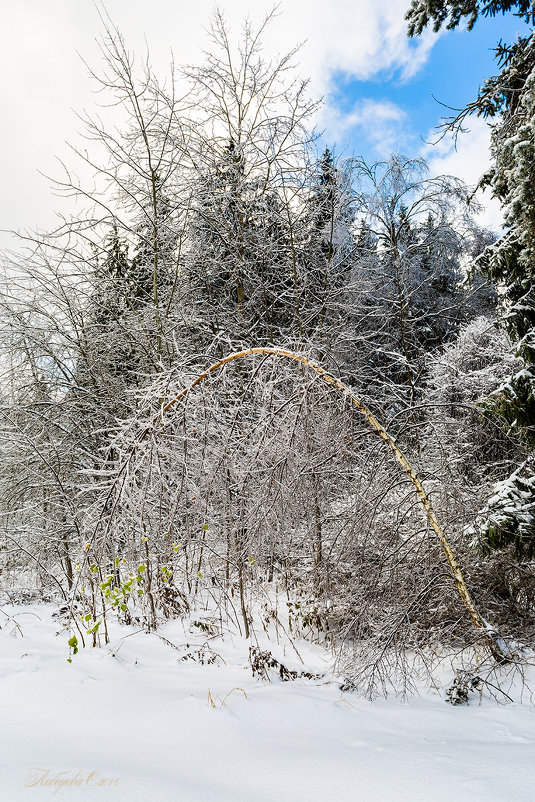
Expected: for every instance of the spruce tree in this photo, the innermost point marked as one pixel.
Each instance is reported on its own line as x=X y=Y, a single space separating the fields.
x=327 y=253
x=508 y=98
x=407 y=298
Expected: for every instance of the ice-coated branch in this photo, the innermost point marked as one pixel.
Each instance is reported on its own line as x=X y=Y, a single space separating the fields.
x=454 y=566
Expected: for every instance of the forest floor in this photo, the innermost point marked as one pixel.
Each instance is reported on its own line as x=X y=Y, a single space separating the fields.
x=135 y=721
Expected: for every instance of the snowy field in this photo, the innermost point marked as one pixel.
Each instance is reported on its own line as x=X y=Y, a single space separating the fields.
x=133 y=721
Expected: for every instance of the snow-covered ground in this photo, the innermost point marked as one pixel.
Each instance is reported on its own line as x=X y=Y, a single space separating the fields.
x=133 y=721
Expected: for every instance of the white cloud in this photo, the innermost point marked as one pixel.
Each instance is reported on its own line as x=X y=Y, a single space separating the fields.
x=38 y=44
x=357 y=38
x=380 y=123
x=468 y=161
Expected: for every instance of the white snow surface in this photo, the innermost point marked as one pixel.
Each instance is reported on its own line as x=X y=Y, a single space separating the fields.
x=131 y=721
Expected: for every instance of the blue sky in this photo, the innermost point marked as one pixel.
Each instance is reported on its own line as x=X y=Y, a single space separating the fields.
x=457 y=64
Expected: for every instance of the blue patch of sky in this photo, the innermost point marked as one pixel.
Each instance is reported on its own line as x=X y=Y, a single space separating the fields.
x=457 y=65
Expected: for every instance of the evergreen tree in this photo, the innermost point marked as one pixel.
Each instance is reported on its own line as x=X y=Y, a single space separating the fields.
x=112 y=291
x=243 y=253
x=510 y=262
x=328 y=251
x=153 y=266
x=407 y=295
x=115 y=298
